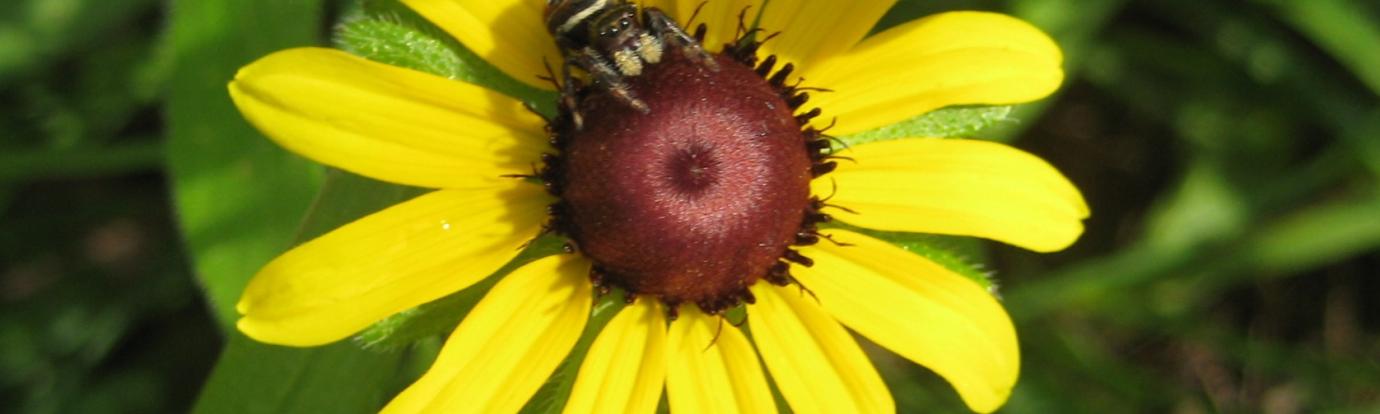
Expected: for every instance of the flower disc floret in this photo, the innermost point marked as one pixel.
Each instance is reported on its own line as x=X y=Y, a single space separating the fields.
x=694 y=201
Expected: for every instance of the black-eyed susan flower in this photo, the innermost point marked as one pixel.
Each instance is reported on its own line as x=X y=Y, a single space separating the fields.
x=705 y=201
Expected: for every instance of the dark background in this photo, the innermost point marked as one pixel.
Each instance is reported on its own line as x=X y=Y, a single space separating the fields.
x=1230 y=151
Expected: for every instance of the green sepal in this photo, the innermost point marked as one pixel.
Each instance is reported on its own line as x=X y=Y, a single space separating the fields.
x=388 y=32
x=951 y=122
x=397 y=44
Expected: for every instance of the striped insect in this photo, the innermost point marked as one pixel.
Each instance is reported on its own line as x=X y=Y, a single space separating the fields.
x=612 y=40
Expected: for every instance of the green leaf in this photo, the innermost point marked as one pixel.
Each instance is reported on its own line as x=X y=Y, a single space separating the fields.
x=238 y=196
x=252 y=377
x=240 y=199
x=1345 y=28
x=959 y=121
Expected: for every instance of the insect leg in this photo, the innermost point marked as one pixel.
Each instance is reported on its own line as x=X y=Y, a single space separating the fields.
x=604 y=73
x=569 y=89
x=662 y=25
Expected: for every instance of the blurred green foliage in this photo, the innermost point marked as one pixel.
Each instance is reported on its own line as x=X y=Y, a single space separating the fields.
x=1230 y=151
x=98 y=311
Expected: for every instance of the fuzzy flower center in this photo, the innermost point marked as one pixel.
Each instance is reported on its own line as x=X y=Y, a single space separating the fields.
x=695 y=200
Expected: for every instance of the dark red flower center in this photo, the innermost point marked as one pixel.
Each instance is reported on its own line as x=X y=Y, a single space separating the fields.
x=696 y=199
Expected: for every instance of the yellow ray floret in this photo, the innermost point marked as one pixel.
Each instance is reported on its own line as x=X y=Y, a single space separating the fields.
x=958 y=187
x=509 y=344
x=385 y=122
x=713 y=370
x=919 y=310
x=403 y=256
x=814 y=361
x=958 y=58
x=626 y=366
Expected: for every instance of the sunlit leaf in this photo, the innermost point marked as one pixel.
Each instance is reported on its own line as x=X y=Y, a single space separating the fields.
x=239 y=197
x=240 y=200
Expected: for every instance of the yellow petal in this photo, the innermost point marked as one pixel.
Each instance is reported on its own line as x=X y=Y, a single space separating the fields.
x=509 y=344
x=705 y=375
x=919 y=310
x=813 y=31
x=626 y=366
x=816 y=364
x=386 y=122
x=403 y=256
x=720 y=18
x=668 y=6
x=959 y=187
x=958 y=58
x=510 y=34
